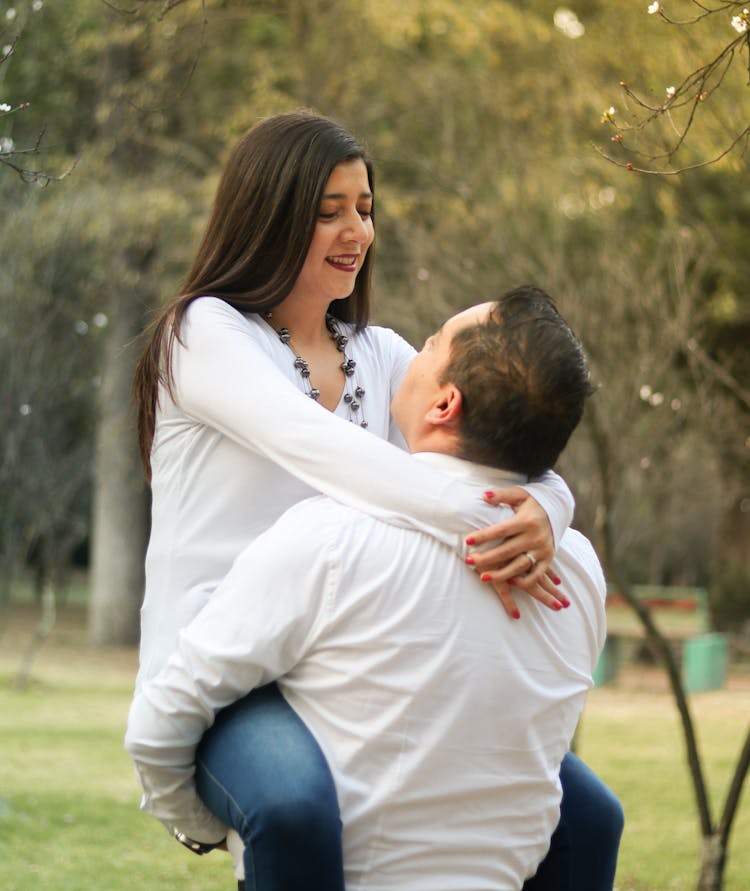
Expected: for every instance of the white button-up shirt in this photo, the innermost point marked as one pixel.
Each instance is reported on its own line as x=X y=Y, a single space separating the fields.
x=241 y=443
x=443 y=720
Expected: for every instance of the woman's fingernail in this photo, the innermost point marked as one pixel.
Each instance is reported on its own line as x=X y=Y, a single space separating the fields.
x=565 y=602
x=470 y=540
x=557 y=579
x=489 y=494
x=516 y=614
x=485 y=577
x=469 y=560
x=556 y=606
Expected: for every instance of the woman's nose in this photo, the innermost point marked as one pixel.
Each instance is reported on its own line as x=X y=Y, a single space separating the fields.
x=359 y=228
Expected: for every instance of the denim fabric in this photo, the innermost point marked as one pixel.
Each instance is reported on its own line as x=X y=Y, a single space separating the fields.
x=583 y=850
x=260 y=770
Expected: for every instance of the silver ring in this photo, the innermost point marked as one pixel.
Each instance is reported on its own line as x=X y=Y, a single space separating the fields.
x=531 y=559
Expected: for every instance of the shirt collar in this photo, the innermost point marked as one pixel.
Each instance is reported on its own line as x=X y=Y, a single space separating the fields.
x=478 y=474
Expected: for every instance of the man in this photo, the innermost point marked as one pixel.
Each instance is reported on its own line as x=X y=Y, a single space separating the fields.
x=444 y=721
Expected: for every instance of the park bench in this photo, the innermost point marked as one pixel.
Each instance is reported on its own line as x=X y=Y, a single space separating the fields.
x=681 y=614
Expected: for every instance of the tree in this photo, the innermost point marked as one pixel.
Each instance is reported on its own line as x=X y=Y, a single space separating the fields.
x=13 y=157
x=654 y=130
x=49 y=342
x=127 y=227
x=672 y=121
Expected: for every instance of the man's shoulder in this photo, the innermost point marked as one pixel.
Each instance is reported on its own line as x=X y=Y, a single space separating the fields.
x=320 y=518
x=322 y=524
x=577 y=543
x=322 y=507
x=576 y=552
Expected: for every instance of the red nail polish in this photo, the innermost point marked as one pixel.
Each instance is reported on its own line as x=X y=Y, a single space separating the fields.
x=556 y=606
x=469 y=560
x=516 y=614
x=485 y=577
x=489 y=494
x=565 y=602
x=557 y=579
x=470 y=540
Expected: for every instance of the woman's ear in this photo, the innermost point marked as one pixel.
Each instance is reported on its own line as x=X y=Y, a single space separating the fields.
x=446 y=410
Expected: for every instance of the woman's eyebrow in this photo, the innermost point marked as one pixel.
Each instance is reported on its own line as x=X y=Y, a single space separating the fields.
x=341 y=195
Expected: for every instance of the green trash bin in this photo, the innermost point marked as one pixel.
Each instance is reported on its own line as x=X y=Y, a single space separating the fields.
x=609 y=662
x=704 y=662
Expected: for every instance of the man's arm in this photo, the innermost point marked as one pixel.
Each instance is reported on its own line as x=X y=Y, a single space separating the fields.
x=259 y=623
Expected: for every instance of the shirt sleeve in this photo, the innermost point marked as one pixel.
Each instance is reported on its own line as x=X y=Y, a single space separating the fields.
x=275 y=621
x=555 y=498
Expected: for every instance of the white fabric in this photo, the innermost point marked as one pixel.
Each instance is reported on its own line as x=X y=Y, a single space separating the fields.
x=444 y=721
x=242 y=443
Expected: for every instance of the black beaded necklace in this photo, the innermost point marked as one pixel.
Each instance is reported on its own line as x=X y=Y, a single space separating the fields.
x=353 y=392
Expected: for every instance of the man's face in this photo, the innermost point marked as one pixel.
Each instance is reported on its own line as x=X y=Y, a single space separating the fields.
x=421 y=387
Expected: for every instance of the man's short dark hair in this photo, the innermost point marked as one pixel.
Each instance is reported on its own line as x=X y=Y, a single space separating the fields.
x=524 y=380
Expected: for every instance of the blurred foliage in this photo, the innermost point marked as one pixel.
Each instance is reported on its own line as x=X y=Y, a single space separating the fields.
x=55 y=309
x=48 y=366
x=481 y=118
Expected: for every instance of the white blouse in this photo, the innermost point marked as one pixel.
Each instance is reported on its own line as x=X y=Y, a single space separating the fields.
x=241 y=442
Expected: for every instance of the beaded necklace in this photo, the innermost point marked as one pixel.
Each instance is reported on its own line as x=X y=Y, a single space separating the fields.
x=353 y=392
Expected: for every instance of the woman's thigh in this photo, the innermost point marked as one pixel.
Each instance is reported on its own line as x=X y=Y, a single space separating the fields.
x=261 y=771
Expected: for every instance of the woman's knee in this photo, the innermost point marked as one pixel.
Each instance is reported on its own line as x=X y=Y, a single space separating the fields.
x=301 y=821
x=590 y=807
x=612 y=817
x=260 y=766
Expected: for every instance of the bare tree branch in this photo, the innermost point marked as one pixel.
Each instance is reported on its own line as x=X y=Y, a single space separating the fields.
x=735 y=789
x=697 y=354
x=28 y=174
x=606 y=466
x=683 y=104
x=628 y=165
x=166 y=6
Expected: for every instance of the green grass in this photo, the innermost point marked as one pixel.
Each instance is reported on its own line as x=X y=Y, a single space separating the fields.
x=633 y=740
x=69 y=815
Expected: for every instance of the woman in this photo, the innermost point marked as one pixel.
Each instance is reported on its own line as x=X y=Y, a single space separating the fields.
x=232 y=438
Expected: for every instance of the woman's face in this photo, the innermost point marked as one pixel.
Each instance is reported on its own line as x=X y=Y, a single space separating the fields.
x=342 y=237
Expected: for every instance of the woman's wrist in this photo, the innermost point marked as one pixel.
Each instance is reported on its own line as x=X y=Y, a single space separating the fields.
x=197 y=847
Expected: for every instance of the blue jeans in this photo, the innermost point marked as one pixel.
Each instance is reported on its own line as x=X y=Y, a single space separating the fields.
x=260 y=770
x=584 y=846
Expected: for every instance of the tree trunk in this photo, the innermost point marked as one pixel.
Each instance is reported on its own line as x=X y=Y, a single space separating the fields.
x=713 y=858
x=119 y=525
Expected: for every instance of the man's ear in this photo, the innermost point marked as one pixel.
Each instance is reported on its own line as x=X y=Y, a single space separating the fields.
x=446 y=409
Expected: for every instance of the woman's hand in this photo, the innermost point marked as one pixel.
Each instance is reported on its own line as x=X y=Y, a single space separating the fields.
x=523 y=556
